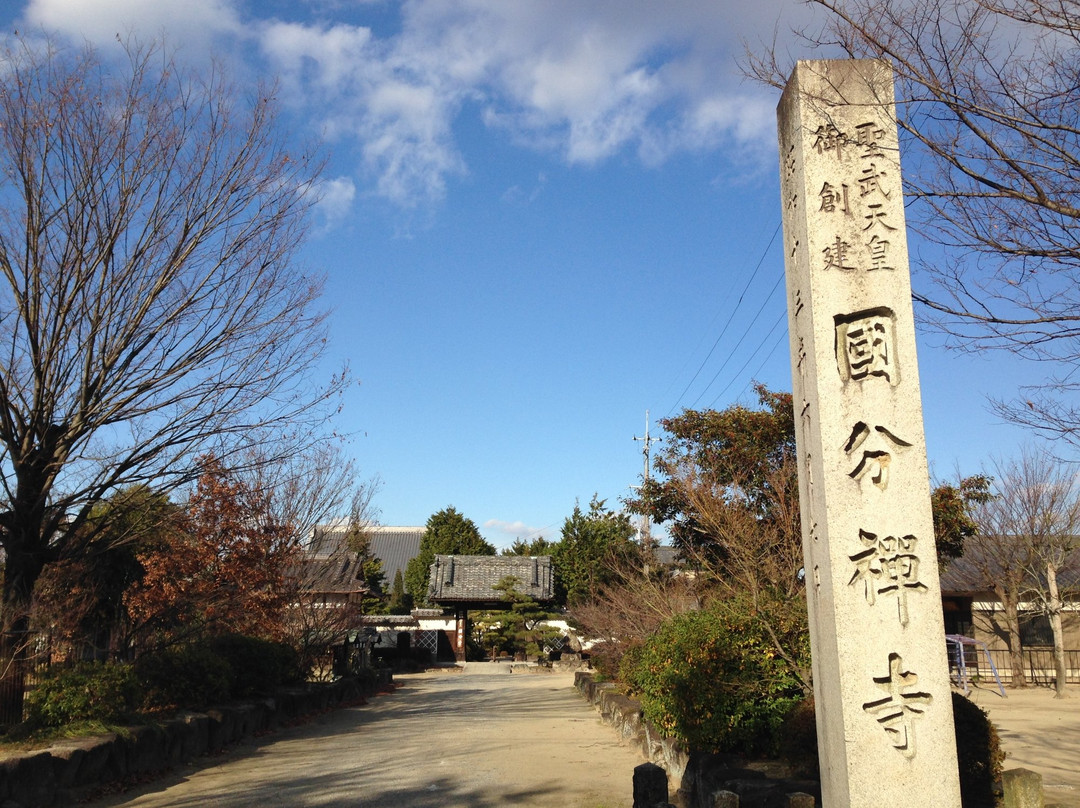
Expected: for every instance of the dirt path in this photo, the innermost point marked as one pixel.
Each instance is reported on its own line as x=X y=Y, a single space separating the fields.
x=474 y=739
x=1040 y=733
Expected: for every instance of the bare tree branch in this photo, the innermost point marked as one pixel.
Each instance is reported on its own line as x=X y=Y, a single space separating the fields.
x=151 y=307
x=1024 y=550
x=989 y=109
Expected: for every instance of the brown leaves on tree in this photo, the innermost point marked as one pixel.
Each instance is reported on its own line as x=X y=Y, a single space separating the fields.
x=223 y=570
x=737 y=453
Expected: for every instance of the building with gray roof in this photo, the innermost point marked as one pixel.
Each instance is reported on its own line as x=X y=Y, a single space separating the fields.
x=466 y=582
x=470 y=580
x=395 y=547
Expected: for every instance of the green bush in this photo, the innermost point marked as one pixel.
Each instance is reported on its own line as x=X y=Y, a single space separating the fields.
x=216 y=669
x=714 y=680
x=798 y=739
x=187 y=676
x=978 y=752
x=90 y=691
x=978 y=748
x=258 y=666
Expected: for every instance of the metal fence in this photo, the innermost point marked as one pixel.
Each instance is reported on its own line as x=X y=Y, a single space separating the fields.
x=1038 y=666
x=18 y=679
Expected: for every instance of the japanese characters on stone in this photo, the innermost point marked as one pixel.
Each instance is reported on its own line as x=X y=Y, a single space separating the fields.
x=880 y=668
x=853 y=208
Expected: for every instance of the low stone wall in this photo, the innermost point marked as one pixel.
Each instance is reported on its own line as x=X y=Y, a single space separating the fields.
x=624 y=714
x=697 y=780
x=73 y=768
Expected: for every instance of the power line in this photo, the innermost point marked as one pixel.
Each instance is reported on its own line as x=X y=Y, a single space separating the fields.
x=745 y=333
x=750 y=358
x=768 y=356
x=731 y=316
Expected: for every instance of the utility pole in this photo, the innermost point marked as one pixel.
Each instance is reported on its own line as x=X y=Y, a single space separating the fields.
x=646 y=528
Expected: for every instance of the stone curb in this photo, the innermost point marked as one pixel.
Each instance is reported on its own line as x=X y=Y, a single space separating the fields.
x=624 y=714
x=699 y=780
x=72 y=769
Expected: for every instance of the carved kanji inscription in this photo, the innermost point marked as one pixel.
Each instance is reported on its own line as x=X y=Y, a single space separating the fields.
x=901 y=706
x=887 y=565
x=866 y=346
x=873 y=448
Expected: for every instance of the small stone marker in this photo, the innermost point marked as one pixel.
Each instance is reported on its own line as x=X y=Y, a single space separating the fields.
x=650 y=786
x=881 y=682
x=725 y=799
x=1022 y=788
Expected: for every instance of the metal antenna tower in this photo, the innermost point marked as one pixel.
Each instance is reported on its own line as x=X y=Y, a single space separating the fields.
x=646 y=526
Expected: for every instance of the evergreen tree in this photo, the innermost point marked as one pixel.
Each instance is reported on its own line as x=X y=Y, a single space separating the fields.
x=401 y=602
x=448 y=533
x=592 y=543
x=370 y=569
x=537 y=547
x=518 y=628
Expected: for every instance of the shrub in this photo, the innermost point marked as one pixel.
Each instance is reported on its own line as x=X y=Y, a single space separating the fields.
x=978 y=752
x=188 y=676
x=714 y=680
x=798 y=739
x=258 y=666
x=90 y=691
x=367 y=678
x=978 y=748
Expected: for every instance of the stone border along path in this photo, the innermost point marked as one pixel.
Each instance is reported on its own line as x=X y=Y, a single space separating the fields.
x=475 y=738
x=70 y=769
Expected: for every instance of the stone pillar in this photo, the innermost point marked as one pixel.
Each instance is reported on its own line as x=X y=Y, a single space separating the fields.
x=881 y=684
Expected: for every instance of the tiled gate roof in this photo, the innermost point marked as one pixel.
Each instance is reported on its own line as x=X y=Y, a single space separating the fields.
x=471 y=579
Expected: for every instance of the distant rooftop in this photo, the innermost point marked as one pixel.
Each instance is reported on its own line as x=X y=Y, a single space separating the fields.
x=974 y=571
x=472 y=579
x=338 y=575
x=668 y=556
x=394 y=546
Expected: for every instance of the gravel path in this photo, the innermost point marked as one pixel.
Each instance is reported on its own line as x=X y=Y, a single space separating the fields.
x=1040 y=733
x=479 y=738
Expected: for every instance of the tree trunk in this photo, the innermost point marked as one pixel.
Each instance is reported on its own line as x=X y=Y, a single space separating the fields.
x=1012 y=638
x=19 y=581
x=1054 y=610
x=24 y=559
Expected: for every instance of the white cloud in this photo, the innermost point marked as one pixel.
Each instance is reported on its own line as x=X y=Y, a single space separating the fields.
x=312 y=57
x=363 y=95
x=193 y=22
x=585 y=81
x=335 y=198
x=517 y=529
x=516 y=195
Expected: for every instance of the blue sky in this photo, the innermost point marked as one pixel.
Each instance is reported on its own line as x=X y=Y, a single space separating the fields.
x=540 y=219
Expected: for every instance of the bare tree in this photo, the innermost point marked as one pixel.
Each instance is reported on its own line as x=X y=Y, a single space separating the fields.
x=748 y=554
x=993 y=560
x=151 y=309
x=989 y=109
x=326 y=581
x=312 y=488
x=753 y=552
x=629 y=606
x=1030 y=528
